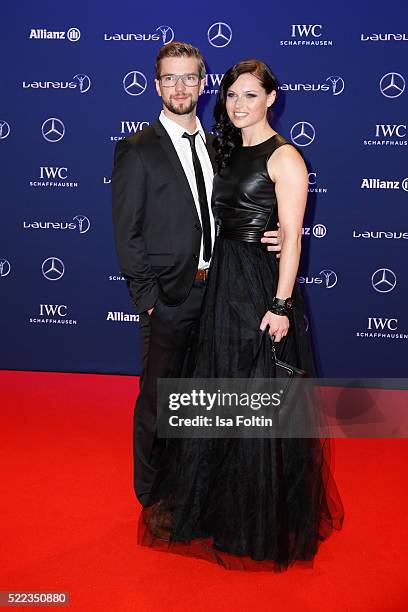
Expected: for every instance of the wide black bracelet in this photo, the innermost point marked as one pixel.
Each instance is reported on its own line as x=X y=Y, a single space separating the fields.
x=281 y=307
x=279 y=311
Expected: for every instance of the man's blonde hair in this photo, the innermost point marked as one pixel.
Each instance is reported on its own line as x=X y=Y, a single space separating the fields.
x=180 y=49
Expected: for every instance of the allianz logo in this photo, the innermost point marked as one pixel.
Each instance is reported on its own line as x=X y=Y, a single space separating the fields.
x=333 y=84
x=82 y=82
x=42 y=33
x=73 y=34
x=377 y=183
x=380 y=234
x=383 y=37
x=119 y=316
x=319 y=230
x=79 y=222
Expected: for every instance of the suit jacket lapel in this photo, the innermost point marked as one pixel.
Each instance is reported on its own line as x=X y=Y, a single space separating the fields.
x=171 y=154
x=210 y=148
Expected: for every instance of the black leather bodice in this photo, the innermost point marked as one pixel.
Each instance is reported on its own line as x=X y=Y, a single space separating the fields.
x=244 y=200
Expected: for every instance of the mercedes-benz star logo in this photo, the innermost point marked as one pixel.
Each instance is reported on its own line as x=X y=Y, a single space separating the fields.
x=53 y=129
x=219 y=34
x=84 y=82
x=337 y=85
x=53 y=268
x=302 y=133
x=330 y=278
x=5 y=267
x=83 y=223
x=392 y=85
x=4 y=129
x=383 y=280
x=134 y=83
x=167 y=34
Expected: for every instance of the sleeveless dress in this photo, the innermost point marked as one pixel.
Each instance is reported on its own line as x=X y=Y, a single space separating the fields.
x=245 y=503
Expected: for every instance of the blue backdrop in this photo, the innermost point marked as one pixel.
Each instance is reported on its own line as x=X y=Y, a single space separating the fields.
x=76 y=77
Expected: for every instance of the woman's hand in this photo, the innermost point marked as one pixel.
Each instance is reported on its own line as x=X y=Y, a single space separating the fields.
x=273 y=240
x=278 y=325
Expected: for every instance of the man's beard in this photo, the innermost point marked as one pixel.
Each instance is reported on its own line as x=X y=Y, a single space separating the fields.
x=183 y=109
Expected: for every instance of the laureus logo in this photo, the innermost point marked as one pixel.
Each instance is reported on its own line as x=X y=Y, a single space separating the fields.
x=4 y=129
x=167 y=34
x=79 y=222
x=330 y=278
x=327 y=278
x=84 y=82
x=337 y=84
x=80 y=82
x=163 y=34
x=5 y=268
x=333 y=84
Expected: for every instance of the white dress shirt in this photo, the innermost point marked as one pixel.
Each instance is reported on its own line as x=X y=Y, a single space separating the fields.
x=183 y=149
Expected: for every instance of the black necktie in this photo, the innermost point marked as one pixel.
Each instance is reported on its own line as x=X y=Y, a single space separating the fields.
x=202 y=196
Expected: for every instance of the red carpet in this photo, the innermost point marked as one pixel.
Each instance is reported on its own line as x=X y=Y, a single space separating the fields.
x=69 y=515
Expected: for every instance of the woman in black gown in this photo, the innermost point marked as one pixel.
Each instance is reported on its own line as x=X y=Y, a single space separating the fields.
x=241 y=501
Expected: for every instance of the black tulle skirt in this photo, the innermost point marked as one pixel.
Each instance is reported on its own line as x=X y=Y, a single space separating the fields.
x=244 y=503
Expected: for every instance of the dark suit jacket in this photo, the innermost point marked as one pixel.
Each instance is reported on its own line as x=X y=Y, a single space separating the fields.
x=156 y=225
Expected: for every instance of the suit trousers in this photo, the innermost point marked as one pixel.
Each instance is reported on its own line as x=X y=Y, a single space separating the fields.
x=168 y=340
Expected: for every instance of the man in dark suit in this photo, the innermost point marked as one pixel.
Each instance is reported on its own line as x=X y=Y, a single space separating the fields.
x=164 y=232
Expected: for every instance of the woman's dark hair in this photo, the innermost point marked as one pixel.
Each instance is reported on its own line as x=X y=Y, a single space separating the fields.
x=227 y=136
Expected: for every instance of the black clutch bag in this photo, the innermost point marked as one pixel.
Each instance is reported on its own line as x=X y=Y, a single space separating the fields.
x=285 y=370
x=289 y=375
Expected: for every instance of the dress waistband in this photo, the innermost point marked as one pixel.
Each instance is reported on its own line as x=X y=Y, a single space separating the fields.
x=245 y=235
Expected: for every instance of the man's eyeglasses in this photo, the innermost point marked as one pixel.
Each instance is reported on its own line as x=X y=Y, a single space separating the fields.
x=170 y=80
